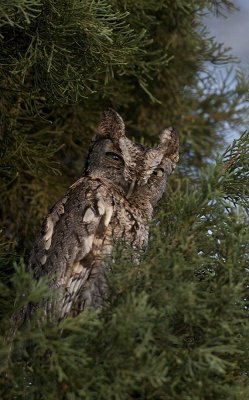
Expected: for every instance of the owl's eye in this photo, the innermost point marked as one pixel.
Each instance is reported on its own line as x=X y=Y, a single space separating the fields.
x=158 y=172
x=113 y=156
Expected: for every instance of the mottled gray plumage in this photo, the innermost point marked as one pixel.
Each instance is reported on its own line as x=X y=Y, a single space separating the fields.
x=113 y=201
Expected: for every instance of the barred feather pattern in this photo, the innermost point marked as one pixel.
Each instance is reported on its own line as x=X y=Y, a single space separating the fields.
x=113 y=201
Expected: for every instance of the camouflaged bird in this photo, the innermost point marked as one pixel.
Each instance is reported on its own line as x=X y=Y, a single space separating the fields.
x=112 y=201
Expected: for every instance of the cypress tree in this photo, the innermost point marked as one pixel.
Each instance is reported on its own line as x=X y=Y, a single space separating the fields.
x=176 y=326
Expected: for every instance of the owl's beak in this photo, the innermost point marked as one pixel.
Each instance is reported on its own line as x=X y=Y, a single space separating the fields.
x=131 y=188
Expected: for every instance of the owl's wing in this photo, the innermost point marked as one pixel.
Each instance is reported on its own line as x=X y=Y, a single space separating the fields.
x=70 y=239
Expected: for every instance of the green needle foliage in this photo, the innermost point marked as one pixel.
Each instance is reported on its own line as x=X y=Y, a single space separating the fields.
x=175 y=326
x=237 y=172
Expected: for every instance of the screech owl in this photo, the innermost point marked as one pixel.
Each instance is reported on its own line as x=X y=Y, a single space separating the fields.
x=112 y=201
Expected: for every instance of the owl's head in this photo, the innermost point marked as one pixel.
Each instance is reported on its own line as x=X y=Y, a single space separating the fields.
x=136 y=170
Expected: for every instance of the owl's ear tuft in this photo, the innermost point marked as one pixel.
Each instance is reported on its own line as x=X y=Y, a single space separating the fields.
x=111 y=125
x=169 y=143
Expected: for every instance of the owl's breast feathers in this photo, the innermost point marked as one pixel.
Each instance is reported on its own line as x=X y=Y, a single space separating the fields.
x=75 y=237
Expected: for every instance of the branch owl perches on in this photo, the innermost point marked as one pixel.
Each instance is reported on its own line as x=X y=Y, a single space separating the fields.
x=112 y=201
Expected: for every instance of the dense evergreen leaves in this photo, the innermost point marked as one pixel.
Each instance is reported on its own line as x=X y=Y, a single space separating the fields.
x=176 y=326
x=63 y=62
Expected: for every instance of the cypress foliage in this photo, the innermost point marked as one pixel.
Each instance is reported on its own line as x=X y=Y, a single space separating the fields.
x=176 y=326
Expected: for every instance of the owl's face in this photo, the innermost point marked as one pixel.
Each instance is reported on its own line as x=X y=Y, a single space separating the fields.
x=137 y=171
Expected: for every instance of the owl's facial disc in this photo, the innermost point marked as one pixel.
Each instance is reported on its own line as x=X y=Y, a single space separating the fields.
x=106 y=161
x=139 y=171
